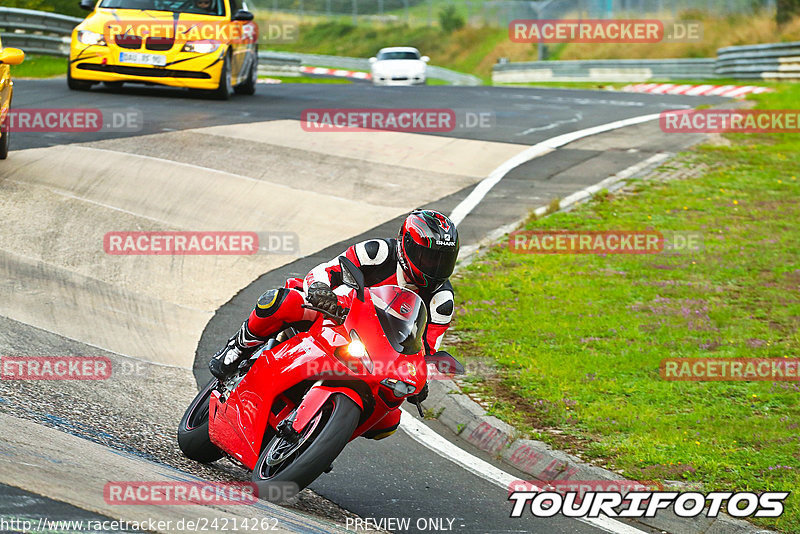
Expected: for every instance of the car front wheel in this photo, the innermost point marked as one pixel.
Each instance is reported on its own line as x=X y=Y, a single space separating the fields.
x=248 y=87
x=76 y=85
x=225 y=88
x=4 y=135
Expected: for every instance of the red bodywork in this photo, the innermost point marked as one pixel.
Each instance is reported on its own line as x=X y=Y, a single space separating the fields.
x=280 y=379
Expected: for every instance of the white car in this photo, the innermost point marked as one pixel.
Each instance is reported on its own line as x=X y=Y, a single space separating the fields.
x=399 y=65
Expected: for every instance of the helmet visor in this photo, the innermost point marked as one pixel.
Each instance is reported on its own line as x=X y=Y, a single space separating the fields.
x=436 y=263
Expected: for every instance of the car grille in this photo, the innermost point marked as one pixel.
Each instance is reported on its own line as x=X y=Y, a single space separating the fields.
x=131 y=42
x=145 y=71
x=399 y=78
x=159 y=44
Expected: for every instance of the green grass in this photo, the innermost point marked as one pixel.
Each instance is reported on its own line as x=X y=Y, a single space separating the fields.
x=578 y=338
x=36 y=66
x=464 y=50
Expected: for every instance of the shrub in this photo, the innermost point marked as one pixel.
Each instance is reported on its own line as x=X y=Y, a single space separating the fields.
x=450 y=20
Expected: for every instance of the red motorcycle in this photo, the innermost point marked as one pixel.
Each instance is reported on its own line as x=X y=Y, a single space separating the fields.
x=291 y=408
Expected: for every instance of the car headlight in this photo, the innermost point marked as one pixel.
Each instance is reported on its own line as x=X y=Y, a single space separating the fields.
x=201 y=47
x=88 y=37
x=398 y=387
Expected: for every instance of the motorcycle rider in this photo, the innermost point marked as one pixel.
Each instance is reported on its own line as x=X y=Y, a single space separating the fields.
x=421 y=259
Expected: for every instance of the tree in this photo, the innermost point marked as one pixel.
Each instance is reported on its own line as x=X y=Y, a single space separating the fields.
x=65 y=7
x=787 y=9
x=450 y=20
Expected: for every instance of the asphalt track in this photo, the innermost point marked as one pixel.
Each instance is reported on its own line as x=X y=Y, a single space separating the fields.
x=398 y=478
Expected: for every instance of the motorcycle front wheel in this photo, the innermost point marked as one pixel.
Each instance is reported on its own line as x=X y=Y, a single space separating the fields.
x=287 y=466
x=193 y=436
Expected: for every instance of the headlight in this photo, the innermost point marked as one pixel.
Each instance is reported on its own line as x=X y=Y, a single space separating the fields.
x=356 y=348
x=355 y=351
x=398 y=387
x=201 y=47
x=91 y=38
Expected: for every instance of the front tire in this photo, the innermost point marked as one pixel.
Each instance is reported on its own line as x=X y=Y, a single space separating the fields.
x=225 y=88
x=193 y=436
x=249 y=87
x=337 y=421
x=76 y=85
x=4 y=141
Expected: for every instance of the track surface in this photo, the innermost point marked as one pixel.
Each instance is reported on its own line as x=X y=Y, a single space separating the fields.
x=396 y=478
x=522 y=116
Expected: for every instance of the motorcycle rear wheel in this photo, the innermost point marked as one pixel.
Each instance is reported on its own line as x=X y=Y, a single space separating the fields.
x=193 y=436
x=328 y=433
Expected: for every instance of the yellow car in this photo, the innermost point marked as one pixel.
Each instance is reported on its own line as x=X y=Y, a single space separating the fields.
x=209 y=45
x=8 y=56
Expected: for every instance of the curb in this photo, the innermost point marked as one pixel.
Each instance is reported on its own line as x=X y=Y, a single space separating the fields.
x=341 y=73
x=469 y=420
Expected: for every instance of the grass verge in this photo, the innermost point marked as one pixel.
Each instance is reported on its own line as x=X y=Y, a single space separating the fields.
x=475 y=49
x=578 y=339
x=36 y=66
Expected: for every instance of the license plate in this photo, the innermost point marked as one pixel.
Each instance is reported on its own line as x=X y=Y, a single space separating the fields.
x=142 y=59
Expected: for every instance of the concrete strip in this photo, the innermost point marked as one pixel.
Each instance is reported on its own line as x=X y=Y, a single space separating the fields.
x=61 y=201
x=43 y=460
x=349 y=178
x=439 y=154
x=97 y=312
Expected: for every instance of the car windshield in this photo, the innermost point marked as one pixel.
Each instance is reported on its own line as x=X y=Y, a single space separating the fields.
x=402 y=315
x=397 y=55
x=202 y=7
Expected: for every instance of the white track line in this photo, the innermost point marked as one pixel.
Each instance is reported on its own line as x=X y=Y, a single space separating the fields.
x=548 y=145
x=433 y=441
x=420 y=433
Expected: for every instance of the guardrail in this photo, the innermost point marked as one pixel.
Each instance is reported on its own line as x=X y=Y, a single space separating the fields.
x=278 y=64
x=776 y=61
x=603 y=70
x=779 y=61
x=40 y=32
x=37 y=32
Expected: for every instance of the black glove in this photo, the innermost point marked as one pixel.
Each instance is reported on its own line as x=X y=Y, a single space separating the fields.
x=320 y=295
x=419 y=397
